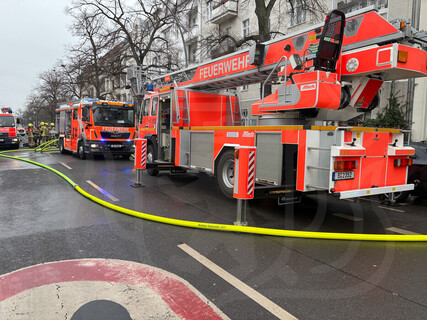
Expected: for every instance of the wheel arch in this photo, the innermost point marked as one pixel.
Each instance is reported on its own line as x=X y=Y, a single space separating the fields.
x=224 y=149
x=152 y=140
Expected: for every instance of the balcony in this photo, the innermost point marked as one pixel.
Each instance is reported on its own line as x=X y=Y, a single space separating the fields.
x=224 y=10
x=353 y=5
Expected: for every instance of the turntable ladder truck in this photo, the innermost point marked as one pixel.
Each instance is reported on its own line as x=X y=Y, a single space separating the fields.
x=192 y=121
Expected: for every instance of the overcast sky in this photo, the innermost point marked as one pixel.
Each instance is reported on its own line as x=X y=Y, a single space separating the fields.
x=33 y=34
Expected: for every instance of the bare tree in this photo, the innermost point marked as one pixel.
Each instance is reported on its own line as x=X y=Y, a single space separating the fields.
x=96 y=40
x=51 y=88
x=74 y=77
x=140 y=26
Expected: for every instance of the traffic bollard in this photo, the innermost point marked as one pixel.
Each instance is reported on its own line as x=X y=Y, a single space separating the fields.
x=244 y=180
x=140 y=161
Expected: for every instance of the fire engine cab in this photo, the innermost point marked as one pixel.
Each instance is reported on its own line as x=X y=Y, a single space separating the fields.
x=192 y=120
x=8 y=130
x=96 y=127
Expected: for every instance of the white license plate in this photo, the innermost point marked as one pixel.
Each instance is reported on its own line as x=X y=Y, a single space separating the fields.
x=115 y=146
x=342 y=175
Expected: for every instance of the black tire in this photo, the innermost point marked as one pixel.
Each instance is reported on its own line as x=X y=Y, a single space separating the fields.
x=345 y=97
x=61 y=146
x=80 y=151
x=151 y=156
x=225 y=173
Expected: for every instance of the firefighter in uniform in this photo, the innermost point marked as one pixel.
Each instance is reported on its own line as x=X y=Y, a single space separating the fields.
x=30 y=135
x=51 y=131
x=37 y=134
x=44 y=133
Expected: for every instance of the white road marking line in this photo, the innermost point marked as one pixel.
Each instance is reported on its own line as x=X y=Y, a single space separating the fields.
x=392 y=209
x=68 y=167
x=401 y=231
x=102 y=191
x=244 y=288
x=346 y=216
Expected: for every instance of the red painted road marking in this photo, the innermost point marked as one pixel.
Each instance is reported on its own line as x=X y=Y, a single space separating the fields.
x=175 y=293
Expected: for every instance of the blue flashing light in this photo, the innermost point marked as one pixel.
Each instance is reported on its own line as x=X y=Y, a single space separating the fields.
x=92 y=100
x=149 y=87
x=128 y=140
x=102 y=140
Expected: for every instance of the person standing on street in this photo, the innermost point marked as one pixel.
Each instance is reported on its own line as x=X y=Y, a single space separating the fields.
x=45 y=132
x=37 y=134
x=30 y=135
x=52 y=131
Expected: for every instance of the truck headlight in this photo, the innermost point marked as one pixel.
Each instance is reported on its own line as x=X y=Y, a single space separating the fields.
x=94 y=145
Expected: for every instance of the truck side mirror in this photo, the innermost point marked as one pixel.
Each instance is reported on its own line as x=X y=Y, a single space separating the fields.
x=18 y=120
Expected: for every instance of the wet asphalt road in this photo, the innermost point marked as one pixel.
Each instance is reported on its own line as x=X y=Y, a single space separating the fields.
x=43 y=219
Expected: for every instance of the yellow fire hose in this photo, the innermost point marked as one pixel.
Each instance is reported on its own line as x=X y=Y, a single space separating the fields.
x=44 y=147
x=226 y=227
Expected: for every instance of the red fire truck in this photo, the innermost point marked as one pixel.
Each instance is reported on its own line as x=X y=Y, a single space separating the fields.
x=96 y=127
x=192 y=119
x=8 y=130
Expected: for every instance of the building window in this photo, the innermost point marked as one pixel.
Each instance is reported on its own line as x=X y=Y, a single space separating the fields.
x=245 y=28
x=192 y=50
x=245 y=88
x=209 y=5
x=192 y=18
x=298 y=15
x=352 y=5
x=108 y=85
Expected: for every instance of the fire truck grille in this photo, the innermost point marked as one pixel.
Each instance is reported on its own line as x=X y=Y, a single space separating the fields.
x=115 y=135
x=4 y=134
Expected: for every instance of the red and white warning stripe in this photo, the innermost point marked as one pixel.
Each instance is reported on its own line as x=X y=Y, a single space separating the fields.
x=144 y=153
x=251 y=172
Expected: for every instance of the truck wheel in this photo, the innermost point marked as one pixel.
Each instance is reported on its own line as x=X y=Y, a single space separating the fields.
x=225 y=173
x=151 y=156
x=61 y=147
x=80 y=151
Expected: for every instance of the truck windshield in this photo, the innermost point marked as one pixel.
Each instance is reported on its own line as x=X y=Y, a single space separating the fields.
x=114 y=117
x=7 y=121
